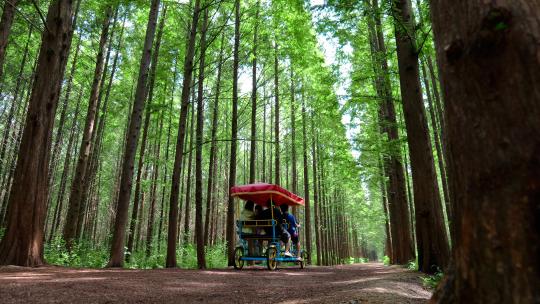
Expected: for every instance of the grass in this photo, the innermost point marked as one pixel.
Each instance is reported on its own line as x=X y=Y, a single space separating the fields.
x=84 y=255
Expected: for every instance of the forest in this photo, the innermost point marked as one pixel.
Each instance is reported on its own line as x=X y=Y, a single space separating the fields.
x=409 y=130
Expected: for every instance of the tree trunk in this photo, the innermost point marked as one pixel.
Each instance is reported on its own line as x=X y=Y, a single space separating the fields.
x=199 y=232
x=277 y=173
x=316 y=202
x=23 y=241
x=253 y=147
x=307 y=214
x=490 y=72
x=75 y=203
x=187 y=210
x=402 y=247
x=165 y=173
x=431 y=237
x=213 y=145
x=65 y=171
x=172 y=237
x=294 y=177
x=231 y=227
x=126 y=180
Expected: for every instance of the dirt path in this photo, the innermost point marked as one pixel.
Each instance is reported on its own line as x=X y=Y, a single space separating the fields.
x=364 y=283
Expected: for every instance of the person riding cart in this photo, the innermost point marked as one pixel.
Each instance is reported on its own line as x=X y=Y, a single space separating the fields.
x=269 y=228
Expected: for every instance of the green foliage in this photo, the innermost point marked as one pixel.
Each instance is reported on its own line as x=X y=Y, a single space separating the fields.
x=433 y=281
x=83 y=254
x=2 y=232
x=386 y=260
x=412 y=265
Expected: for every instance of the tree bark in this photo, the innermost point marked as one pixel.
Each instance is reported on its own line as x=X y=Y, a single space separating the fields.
x=402 y=247
x=172 y=237
x=23 y=241
x=253 y=146
x=126 y=180
x=431 y=237
x=490 y=70
x=231 y=227
x=316 y=202
x=277 y=165
x=199 y=231
x=307 y=216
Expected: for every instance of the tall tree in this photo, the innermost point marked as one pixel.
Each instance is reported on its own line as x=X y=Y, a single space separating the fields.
x=431 y=237
x=213 y=146
x=307 y=216
x=126 y=179
x=172 y=237
x=253 y=147
x=489 y=69
x=234 y=136
x=400 y=227
x=277 y=164
x=23 y=241
x=199 y=232
x=75 y=199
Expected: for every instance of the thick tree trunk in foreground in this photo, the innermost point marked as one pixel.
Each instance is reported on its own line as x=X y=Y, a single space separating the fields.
x=126 y=179
x=431 y=237
x=490 y=71
x=23 y=242
x=234 y=134
x=172 y=237
x=76 y=196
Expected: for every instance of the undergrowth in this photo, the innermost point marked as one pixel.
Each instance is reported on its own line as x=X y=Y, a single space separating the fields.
x=432 y=281
x=84 y=255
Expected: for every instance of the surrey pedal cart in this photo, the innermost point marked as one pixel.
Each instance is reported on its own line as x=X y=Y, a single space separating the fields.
x=265 y=234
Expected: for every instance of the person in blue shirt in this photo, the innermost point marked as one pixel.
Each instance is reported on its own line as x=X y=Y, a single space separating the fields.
x=292 y=228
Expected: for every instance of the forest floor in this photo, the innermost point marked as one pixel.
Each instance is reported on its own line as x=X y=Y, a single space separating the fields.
x=359 y=283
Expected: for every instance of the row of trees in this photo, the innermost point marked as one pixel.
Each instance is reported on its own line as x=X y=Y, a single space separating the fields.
x=452 y=167
x=176 y=113
x=401 y=143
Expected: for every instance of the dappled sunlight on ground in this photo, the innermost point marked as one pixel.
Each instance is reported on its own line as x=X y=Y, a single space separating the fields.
x=373 y=283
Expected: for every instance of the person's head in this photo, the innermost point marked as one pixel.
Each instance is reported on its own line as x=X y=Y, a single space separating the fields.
x=258 y=209
x=284 y=208
x=249 y=205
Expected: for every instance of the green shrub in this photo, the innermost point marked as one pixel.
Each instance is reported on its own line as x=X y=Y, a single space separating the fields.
x=83 y=254
x=433 y=281
x=412 y=265
x=386 y=260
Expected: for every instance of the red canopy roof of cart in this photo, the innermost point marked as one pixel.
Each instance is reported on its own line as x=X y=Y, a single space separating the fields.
x=260 y=194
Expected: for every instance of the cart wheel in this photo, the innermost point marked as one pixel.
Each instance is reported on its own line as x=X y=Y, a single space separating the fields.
x=271 y=254
x=303 y=261
x=238 y=253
